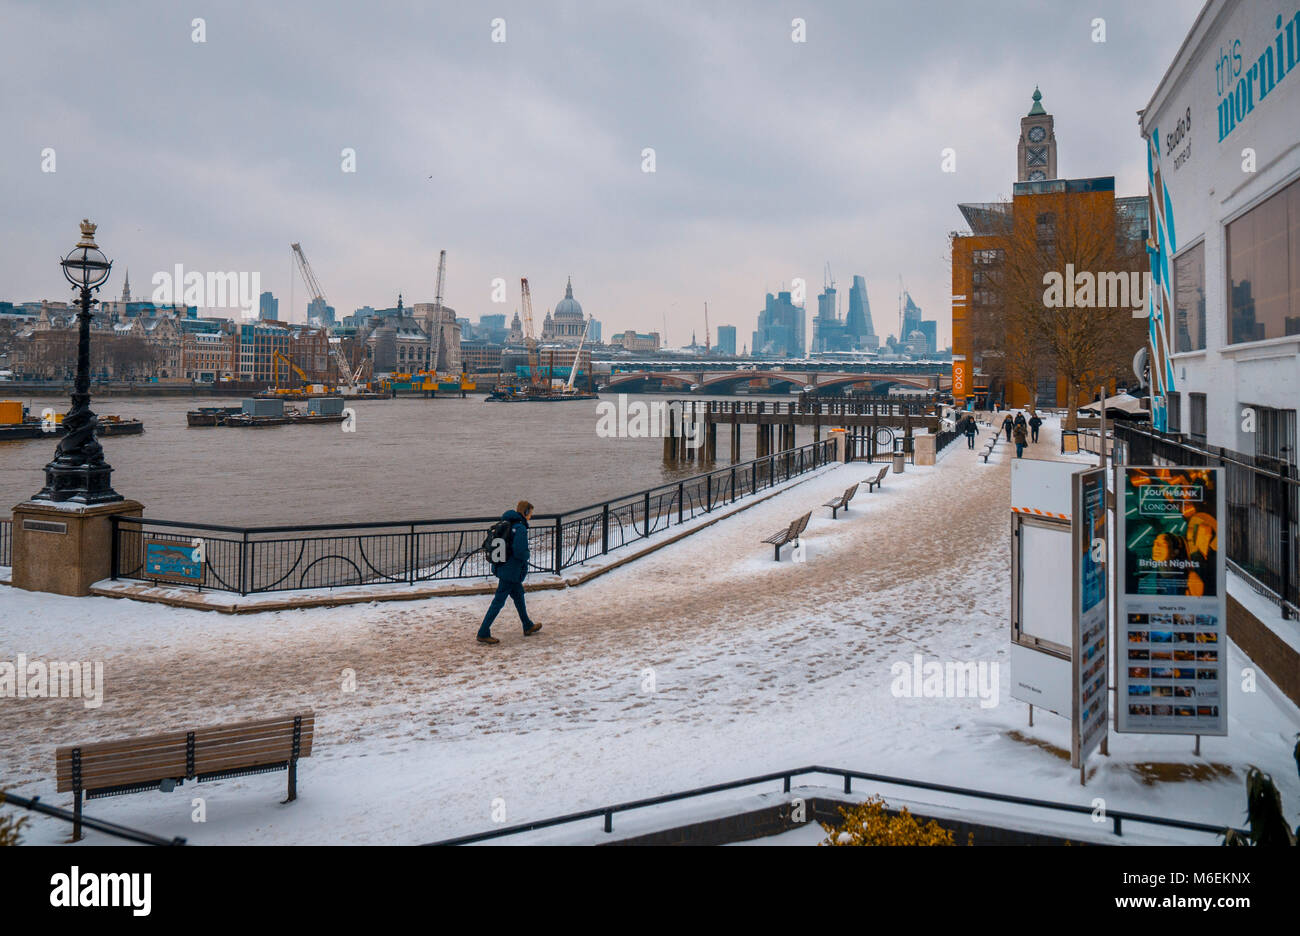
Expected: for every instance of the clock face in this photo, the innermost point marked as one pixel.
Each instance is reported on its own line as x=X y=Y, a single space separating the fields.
x=1036 y=156
x=1038 y=175
x=1036 y=134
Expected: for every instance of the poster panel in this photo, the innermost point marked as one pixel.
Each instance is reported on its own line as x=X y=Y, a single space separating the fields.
x=173 y=561
x=1172 y=605
x=1091 y=617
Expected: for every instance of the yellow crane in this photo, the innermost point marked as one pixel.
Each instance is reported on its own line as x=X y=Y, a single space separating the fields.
x=276 y=358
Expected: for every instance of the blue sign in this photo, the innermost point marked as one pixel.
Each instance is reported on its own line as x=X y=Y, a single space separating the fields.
x=173 y=560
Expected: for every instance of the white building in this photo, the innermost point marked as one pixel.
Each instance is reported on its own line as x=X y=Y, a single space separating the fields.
x=1223 y=140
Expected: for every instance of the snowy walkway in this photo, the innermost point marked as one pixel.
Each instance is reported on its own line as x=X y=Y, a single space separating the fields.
x=756 y=666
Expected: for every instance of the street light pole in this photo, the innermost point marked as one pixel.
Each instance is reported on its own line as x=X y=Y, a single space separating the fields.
x=78 y=474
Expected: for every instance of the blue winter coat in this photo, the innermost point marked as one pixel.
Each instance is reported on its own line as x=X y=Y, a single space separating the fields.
x=515 y=569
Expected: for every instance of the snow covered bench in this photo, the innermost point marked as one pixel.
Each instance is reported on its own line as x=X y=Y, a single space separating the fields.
x=164 y=761
x=989 y=447
x=841 y=502
x=789 y=534
x=877 y=481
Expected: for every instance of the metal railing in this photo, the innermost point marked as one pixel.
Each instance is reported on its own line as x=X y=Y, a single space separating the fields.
x=99 y=825
x=1116 y=817
x=1261 y=498
x=251 y=560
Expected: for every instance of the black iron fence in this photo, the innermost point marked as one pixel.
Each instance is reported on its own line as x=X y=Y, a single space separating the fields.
x=1116 y=817
x=1261 y=497
x=251 y=560
x=99 y=825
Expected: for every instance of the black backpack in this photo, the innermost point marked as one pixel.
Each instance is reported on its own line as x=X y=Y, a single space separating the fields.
x=501 y=530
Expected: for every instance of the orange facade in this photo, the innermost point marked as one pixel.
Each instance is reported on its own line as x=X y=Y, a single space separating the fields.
x=1089 y=215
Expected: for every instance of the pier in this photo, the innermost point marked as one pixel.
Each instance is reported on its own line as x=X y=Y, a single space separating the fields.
x=870 y=423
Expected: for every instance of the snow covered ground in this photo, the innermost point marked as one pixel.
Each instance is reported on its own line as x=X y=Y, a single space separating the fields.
x=703 y=662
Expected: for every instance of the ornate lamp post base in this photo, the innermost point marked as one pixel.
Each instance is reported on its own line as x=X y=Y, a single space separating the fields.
x=78 y=484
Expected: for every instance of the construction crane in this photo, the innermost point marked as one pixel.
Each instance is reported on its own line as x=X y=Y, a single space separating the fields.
x=276 y=358
x=437 y=312
x=534 y=364
x=577 y=356
x=317 y=294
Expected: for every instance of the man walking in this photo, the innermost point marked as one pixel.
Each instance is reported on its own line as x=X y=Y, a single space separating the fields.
x=1021 y=439
x=1034 y=423
x=510 y=566
x=971 y=430
x=1007 y=425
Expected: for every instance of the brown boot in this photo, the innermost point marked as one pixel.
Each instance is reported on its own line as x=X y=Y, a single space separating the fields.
x=488 y=640
x=532 y=630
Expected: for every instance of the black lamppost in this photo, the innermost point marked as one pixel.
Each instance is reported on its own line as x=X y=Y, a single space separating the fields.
x=79 y=473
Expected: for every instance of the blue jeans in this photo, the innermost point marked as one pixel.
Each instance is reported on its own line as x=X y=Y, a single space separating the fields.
x=512 y=590
x=1020 y=450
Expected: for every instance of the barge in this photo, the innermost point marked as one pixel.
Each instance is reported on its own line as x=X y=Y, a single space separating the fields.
x=258 y=412
x=16 y=422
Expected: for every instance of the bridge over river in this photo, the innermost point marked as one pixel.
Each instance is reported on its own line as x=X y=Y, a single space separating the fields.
x=711 y=380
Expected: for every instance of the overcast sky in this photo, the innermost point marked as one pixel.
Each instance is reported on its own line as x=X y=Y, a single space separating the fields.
x=524 y=158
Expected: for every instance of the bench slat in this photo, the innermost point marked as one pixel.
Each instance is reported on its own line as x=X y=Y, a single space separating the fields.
x=153 y=757
x=215 y=731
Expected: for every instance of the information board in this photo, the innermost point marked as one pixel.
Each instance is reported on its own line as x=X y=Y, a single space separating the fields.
x=1172 y=606
x=1091 y=616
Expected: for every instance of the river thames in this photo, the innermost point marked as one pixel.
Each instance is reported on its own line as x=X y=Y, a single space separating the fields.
x=407 y=459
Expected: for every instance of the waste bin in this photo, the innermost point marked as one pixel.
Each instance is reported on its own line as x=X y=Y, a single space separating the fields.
x=898 y=463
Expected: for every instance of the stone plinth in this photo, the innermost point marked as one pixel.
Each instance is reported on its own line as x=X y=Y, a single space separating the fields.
x=923 y=451
x=65 y=548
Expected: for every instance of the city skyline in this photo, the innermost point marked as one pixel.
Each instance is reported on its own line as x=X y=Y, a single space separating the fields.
x=521 y=163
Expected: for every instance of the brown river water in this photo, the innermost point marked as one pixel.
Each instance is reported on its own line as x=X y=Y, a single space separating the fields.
x=408 y=459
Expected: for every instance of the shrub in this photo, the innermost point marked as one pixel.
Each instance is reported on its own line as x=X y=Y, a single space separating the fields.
x=869 y=824
x=9 y=826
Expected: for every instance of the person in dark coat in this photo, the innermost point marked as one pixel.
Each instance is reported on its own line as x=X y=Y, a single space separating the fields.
x=971 y=430
x=1021 y=438
x=1034 y=423
x=1007 y=425
x=1020 y=421
x=510 y=575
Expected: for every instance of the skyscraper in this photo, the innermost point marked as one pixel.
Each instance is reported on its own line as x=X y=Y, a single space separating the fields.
x=780 y=329
x=268 y=306
x=858 y=324
x=727 y=339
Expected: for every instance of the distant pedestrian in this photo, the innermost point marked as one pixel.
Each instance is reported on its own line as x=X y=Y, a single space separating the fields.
x=1021 y=440
x=971 y=430
x=1034 y=423
x=1007 y=425
x=1020 y=421
x=508 y=553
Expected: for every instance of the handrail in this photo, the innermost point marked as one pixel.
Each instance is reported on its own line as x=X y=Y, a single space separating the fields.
x=1115 y=816
x=382 y=524
x=100 y=825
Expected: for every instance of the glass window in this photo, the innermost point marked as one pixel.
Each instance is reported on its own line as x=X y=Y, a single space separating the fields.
x=1264 y=269
x=1187 y=325
x=1173 y=412
x=1197 y=401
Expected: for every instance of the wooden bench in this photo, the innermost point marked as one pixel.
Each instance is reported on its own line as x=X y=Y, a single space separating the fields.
x=877 y=481
x=164 y=761
x=841 y=502
x=789 y=534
